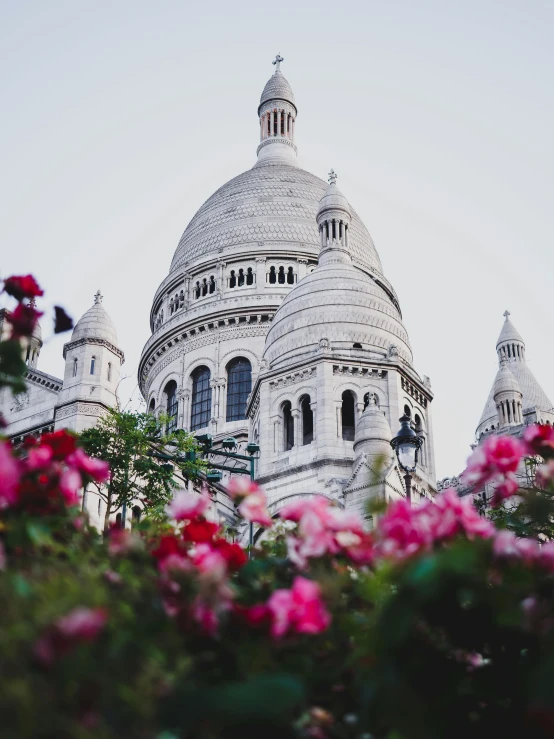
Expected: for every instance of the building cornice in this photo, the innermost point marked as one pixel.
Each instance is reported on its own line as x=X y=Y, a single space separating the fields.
x=97 y=342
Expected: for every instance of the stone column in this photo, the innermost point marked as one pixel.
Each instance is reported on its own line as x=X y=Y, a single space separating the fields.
x=260 y=272
x=313 y=407
x=277 y=435
x=295 y=413
x=271 y=120
x=220 y=276
x=302 y=268
x=184 y=405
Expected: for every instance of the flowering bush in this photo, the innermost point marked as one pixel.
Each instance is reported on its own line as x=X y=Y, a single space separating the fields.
x=436 y=623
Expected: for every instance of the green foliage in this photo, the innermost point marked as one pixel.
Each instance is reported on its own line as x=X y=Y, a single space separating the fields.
x=145 y=463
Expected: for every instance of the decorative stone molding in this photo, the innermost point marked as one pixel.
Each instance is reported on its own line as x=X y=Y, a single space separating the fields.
x=44 y=380
x=292 y=378
x=359 y=371
x=98 y=342
x=86 y=409
x=413 y=392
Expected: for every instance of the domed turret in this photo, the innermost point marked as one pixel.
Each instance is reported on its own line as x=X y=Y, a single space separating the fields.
x=507 y=396
x=277 y=112
x=373 y=435
x=337 y=303
x=95 y=324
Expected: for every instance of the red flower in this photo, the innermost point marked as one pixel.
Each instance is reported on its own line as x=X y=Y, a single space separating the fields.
x=234 y=554
x=539 y=439
x=23 y=320
x=61 y=442
x=62 y=322
x=200 y=531
x=21 y=287
x=167 y=545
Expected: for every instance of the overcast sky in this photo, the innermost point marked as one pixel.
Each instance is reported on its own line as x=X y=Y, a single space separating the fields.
x=120 y=118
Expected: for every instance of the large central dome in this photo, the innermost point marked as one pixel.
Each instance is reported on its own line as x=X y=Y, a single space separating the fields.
x=274 y=203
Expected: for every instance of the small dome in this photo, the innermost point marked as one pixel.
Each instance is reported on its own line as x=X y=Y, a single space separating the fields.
x=505 y=381
x=509 y=332
x=333 y=199
x=373 y=434
x=277 y=88
x=95 y=324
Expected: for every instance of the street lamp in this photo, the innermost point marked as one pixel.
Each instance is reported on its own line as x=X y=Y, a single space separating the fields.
x=407 y=444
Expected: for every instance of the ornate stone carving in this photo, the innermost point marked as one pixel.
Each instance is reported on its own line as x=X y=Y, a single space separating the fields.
x=393 y=350
x=292 y=378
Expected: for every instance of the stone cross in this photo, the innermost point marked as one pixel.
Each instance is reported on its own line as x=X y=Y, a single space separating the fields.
x=332 y=177
x=506 y=314
x=98 y=297
x=277 y=61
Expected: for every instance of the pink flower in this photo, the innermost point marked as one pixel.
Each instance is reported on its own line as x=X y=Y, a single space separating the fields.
x=242 y=486
x=39 y=457
x=9 y=476
x=497 y=455
x=508 y=546
x=506 y=488
x=175 y=563
x=294 y=510
x=299 y=609
x=97 y=469
x=70 y=484
x=209 y=561
x=114 y=578
x=82 y=623
x=254 y=509
x=539 y=439
x=188 y=506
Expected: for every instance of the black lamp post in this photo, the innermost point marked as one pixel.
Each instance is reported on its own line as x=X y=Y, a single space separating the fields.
x=407 y=444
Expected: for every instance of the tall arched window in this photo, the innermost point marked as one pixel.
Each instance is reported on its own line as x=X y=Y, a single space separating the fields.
x=92 y=364
x=239 y=385
x=407 y=411
x=272 y=276
x=212 y=285
x=288 y=425
x=249 y=276
x=75 y=363
x=152 y=407
x=307 y=420
x=109 y=371
x=171 y=407
x=201 y=407
x=348 y=415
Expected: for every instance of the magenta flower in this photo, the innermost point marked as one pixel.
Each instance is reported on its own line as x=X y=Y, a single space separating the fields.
x=39 y=457
x=97 y=469
x=82 y=623
x=299 y=609
x=539 y=439
x=70 y=484
x=254 y=509
x=241 y=487
x=9 y=476
x=187 y=505
x=496 y=456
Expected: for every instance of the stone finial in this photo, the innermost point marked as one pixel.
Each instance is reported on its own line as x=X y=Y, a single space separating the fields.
x=506 y=314
x=277 y=62
x=98 y=297
x=332 y=177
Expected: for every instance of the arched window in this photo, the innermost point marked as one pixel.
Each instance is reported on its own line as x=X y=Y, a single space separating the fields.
x=212 y=284
x=239 y=385
x=249 y=276
x=136 y=514
x=109 y=372
x=272 y=276
x=197 y=291
x=204 y=286
x=201 y=407
x=281 y=276
x=75 y=363
x=181 y=299
x=241 y=278
x=417 y=422
x=290 y=276
x=171 y=407
x=152 y=407
x=288 y=425
x=348 y=416
x=92 y=364
x=407 y=411
x=233 y=279
x=28 y=354
x=307 y=420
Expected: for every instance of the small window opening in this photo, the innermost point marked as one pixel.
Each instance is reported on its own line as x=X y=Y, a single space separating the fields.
x=109 y=371
x=136 y=514
x=212 y=284
x=240 y=280
x=348 y=416
x=232 y=279
x=357 y=345
x=307 y=420
x=281 y=277
x=272 y=276
x=249 y=276
x=407 y=411
x=204 y=286
x=288 y=425
x=28 y=354
x=290 y=276
x=92 y=365
x=75 y=367
x=197 y=290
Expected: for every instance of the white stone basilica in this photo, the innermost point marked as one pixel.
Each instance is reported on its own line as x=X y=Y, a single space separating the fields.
x=276 y=324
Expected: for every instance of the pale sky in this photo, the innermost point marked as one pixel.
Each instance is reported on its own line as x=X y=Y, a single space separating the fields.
x=120 y=118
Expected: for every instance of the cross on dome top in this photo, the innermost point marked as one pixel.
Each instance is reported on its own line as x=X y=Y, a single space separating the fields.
x=506 y=314
x=332 y=177
x=277 y=61
x=98 y=297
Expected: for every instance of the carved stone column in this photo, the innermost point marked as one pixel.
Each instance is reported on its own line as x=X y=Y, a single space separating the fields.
x=277 y=435
x=295 y=413
x=183 y=409
x=260 y=271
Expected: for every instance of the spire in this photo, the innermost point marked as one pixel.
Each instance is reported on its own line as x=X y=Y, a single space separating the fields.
x=510 y=343
x=98 y=298
x=277 y=113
